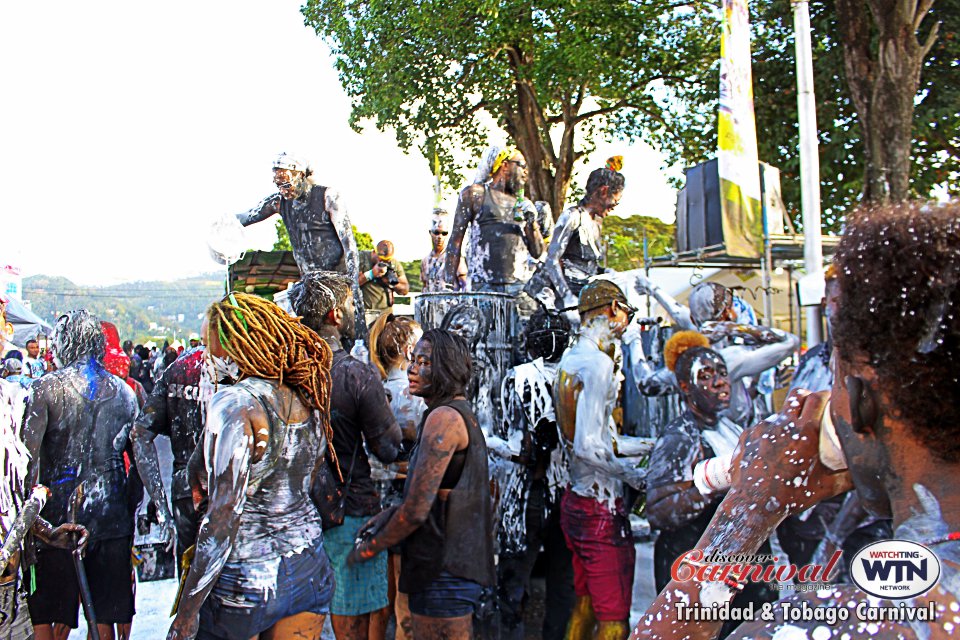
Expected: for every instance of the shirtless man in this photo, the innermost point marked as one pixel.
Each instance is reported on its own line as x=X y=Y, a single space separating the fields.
x=576 y=252
x=505 y=229
x=76 y=430
x=896 y=420
x=317 y=223
x=592 y=513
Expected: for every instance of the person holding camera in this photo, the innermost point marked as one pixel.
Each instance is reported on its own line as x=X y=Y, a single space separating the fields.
x=381 y=277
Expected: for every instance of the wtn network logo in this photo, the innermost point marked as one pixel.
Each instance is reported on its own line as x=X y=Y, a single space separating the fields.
x=895 y=569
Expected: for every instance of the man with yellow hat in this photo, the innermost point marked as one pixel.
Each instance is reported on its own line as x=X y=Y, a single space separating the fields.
x=505 y=228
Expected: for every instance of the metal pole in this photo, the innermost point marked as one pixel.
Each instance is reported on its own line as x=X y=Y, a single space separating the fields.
x=809 y=158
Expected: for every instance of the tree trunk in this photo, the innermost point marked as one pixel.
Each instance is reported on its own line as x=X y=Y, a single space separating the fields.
x=883 y=82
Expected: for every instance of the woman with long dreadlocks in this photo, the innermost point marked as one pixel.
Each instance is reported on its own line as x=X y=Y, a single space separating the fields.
x=260 y=566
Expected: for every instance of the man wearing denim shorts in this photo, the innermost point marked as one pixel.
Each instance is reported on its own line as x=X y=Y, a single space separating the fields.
x=360 y=415
x=592 y=514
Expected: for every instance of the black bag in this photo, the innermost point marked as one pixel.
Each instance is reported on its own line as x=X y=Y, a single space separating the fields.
x=328 y=494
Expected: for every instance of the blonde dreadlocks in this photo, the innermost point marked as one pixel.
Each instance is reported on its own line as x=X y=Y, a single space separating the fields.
x=266 y=342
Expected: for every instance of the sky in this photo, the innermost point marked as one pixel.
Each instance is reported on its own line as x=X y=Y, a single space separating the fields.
x=129 y=127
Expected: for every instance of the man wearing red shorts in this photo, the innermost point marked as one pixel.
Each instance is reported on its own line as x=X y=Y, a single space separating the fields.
x=592 y=515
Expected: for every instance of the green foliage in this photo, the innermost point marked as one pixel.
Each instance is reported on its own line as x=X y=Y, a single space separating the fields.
x=412 y=270
x=936 y=145
x=624 y=237
x=131 y=306
x=364 y=240
x=554 y=74
x=283 y=238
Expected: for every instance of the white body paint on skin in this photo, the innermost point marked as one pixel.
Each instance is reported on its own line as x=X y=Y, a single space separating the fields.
x=15 y=455
x=595 y=470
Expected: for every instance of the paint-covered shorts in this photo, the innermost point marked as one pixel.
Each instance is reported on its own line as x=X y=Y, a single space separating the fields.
x=603 y=553
x=361 y=588
x=446 y=597
x=251 y=597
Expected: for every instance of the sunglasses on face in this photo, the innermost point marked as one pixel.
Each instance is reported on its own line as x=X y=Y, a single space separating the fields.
x=439 y=233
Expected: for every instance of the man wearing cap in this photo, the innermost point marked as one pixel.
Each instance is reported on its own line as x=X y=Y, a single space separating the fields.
x=505 y=229
x=432 y=265
x=316 y=221
x=381 y=276
x=592 y=513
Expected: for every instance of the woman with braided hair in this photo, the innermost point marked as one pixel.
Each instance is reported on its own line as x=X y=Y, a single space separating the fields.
x=260 y=566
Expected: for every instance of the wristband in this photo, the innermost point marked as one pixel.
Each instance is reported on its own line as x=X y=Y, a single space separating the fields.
x=712 y=475
x=368 y=274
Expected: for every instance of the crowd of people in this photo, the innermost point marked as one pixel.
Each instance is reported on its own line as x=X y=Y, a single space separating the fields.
x=423 y=485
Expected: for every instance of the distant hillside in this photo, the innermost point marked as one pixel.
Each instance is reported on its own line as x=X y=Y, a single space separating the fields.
x=142 y=311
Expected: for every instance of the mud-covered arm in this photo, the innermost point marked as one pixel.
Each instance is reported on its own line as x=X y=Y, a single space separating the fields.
x=745 y=361
x=672 y=498
x=228 y=445
x=381 y=431
x=269 y=206
x=148 y=465
x=36 y=417
x=533 y=234
x=443 y=434
x=566 y=226
x=462 y=218
x=589 y=444
x=678 y=312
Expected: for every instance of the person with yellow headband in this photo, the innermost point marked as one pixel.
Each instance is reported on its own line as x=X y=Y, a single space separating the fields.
x=505 y=228
x=381 y=277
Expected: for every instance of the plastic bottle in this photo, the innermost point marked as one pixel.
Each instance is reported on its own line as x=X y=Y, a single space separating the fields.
x=359 y=351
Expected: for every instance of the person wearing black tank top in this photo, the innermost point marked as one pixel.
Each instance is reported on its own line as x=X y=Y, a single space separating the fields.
x=444 y=521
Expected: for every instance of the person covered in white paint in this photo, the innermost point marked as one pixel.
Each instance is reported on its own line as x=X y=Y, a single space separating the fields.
x=432 y=265
x=890 y=426
x=686 y=478
x=505 y=228
x=536 y=477
x=577 y=252
x=260 y=566
x=749 y=350
x=317 y=223
x=592 y=512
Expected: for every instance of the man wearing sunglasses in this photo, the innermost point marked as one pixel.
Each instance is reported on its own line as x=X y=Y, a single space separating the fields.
x=593 y=515
x=505 y=229
x=431 y=266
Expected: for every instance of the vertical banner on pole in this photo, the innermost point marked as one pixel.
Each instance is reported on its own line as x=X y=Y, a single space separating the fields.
x=737 y=154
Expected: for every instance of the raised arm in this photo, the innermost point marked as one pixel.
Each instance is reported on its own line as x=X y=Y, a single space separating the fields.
x=228 y=445
x=745 y=361
x=269 y=206
x=443 y=434
x=470 y=198
x=677 y=311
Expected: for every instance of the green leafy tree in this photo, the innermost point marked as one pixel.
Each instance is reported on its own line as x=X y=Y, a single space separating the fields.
x=844 y=166
x=283 y=238
x=412 y=271
x=364 y=240
x=554 y=74
x=624 y=237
